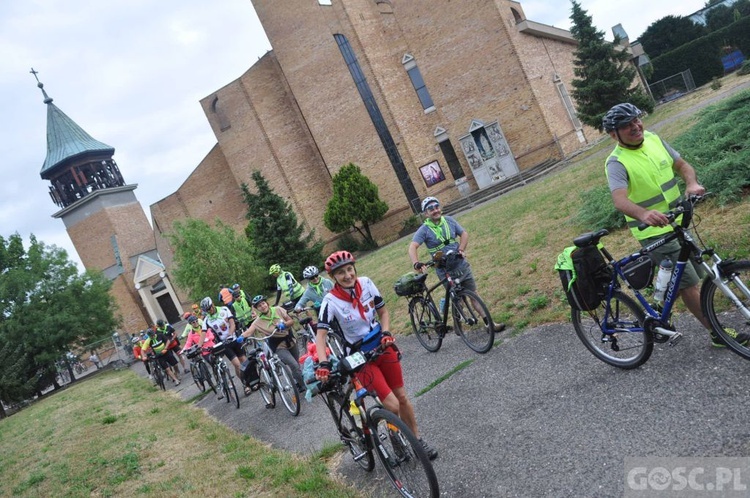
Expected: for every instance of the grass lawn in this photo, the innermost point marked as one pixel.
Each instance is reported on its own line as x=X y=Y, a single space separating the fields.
x=115 y=435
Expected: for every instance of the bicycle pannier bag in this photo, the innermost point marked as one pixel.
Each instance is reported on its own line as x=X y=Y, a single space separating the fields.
x=409 y=284
x=639 y=272
x=249 y=369
x=585 y=282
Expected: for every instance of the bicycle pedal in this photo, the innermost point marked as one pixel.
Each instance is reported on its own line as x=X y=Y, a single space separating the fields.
x=674 y=339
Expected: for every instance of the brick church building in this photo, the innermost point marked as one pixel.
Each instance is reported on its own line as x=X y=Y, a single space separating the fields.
x=427 y=97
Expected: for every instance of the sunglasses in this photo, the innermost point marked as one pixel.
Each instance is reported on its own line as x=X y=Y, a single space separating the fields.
x=432 y=207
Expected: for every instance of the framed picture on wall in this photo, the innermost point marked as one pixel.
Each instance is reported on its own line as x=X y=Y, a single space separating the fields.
x=432 y=173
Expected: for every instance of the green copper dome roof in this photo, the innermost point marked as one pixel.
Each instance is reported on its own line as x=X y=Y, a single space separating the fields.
x=65 y=139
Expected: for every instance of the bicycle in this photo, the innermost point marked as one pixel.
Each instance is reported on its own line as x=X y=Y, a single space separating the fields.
x=334 y=339
x=224 y=378
x=365 y=430
x=157 y=372
x=467 y=309
x=199 y=368
x=275 y=376
x=624 y=335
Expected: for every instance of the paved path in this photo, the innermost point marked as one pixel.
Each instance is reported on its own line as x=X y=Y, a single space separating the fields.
x=539 y=415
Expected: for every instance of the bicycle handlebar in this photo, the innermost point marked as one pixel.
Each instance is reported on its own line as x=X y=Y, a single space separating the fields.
x=685 y=207
x=439 y=258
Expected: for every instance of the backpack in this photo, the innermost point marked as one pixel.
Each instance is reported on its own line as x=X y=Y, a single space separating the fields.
x=584 y=275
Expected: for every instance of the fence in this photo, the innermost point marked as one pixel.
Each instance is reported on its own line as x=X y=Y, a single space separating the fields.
x=673 y=87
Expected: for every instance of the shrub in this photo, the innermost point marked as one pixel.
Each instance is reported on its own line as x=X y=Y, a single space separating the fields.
x=715 y=83
x=744 y=68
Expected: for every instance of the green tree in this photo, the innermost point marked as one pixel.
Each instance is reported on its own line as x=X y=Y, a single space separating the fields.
x=723 y=15
x=207 y=257
x=603 y=74
x=46 y=309
x=355 y=200
x=276 y=233
x=669 y=33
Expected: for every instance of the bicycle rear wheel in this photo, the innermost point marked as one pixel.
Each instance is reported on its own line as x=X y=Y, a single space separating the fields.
x=403 y=456
x=468 y=309
x=197 y=377
x=206 y=375
x=351 y=435
x=266 y=386
x=723 y=314
x=624 y=349
x=287 y=388
x=425 y=321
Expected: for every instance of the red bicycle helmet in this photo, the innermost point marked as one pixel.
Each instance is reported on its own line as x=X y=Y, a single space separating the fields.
x=339 y=259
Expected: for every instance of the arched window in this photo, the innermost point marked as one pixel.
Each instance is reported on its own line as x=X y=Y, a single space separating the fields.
x=516 y=15
x=224 y=123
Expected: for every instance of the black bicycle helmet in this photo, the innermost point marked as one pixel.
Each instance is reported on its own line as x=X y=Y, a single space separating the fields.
x=620 y=115
x=258 y=299
x=159 y=323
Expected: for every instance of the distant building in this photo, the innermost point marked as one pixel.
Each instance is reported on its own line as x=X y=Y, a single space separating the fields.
x=700 y=16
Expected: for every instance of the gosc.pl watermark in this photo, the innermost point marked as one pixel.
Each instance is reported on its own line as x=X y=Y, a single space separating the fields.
x=686 y=477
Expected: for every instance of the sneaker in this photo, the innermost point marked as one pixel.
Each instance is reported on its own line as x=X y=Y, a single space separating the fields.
x=177 y=383
x=740 y=337
x=499 y=327
x=185 y=370
x=220 y=396
x=431 y=452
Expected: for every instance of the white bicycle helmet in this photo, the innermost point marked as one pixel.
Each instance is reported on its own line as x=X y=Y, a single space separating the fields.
x=206 y=304
x=427 y=201
x=310 y=272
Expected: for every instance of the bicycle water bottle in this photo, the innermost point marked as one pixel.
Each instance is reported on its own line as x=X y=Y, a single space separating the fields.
x=354 y=412
x=662 y=280
x=442 y=305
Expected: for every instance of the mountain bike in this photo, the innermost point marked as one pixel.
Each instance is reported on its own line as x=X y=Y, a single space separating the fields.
x=199 y=368
x=224 y=378
x=334 y=339
x=622 y=333
x=367 y=430
x=157 y=372
x=465 y=306
x=275 y=376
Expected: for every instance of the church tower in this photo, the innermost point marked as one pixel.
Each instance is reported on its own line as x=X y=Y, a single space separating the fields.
x=105 y=221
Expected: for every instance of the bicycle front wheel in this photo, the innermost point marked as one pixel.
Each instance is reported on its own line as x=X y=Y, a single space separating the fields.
x=723 y=313
x=287 y=387
x=206 y=375
x=403 y=456
x=629 y=347
x=160 y=378
x=473 y=321
x=232 y=390
x=197 y=377
x=335 y=343
x=425 y=321
x=266 y=387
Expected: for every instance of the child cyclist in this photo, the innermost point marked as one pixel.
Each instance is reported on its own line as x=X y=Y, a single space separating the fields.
x=359 y=308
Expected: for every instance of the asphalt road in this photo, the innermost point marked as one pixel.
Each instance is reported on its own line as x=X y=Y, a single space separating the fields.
x=538 y=415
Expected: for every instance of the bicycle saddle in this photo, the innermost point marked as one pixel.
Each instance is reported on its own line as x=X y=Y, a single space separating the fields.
x=589 y=239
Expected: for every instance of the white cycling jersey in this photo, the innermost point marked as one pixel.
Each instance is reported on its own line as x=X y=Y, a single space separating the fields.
x=348 y=316
x=219 y=322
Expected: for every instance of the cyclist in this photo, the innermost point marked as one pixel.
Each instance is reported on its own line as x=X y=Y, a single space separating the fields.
x=360 y=309
x=641 y=175
x=173 y=344
x=194 y=328
x=137 y=341
x=285 y=282
x=443 y=233
x=274 y=321
x=157 y=341
x=243 y=311
x=222 y=324
x=317 y=287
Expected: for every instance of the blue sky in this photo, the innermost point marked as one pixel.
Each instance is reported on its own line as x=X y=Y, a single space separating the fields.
x=131 y=74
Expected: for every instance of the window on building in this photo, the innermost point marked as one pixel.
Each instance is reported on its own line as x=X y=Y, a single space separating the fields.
x=568 y=105
x=418 y=82
x=454 y=165
x=224 y=123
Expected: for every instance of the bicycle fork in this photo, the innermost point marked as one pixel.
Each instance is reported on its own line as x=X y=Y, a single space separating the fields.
x=716 y=274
